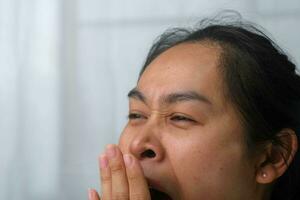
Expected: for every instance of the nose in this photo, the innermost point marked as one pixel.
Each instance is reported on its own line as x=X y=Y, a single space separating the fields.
x=147 y=146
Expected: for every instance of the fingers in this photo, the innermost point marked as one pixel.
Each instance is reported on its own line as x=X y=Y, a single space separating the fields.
x=93 y=195
x=122 y=177
x=119 y=188
x=105 y=177
x=138 y=187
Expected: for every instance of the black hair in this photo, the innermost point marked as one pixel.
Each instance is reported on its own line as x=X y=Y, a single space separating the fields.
x=259 y=79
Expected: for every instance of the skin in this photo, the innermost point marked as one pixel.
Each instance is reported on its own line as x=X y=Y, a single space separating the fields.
x=179 y=112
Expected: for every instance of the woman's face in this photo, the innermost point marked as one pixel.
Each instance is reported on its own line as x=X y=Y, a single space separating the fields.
x=186 y=135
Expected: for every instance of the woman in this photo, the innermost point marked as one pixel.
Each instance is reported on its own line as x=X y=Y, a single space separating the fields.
x=214 y=115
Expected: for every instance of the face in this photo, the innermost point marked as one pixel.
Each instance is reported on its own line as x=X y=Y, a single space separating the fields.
x=187 y=137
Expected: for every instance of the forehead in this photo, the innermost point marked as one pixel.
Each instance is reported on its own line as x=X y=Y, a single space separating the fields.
x=187 y=60
x=185 y=67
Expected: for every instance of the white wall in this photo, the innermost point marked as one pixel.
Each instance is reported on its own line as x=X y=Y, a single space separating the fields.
x=29 y=99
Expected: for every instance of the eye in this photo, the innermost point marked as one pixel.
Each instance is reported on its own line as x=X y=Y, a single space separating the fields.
x=133 y=116
x=181 y=118
x=136 y=118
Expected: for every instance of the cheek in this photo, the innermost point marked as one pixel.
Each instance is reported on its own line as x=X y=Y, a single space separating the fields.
x=193 y=160
x=208 y=161
x=201 y=166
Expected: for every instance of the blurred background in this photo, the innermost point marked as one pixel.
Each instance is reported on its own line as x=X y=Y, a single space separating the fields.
x=65 y=69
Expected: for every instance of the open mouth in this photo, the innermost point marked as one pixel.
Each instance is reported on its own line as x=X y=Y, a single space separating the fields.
x=158 y=195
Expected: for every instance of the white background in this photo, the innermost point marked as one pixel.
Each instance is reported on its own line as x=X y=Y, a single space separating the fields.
x=65 y=69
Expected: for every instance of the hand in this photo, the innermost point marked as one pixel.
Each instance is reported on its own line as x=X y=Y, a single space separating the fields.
x=121 y=177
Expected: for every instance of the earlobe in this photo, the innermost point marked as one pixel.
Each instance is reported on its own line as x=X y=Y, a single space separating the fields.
x=266 y=174
x=277 y=157
x=266 y=171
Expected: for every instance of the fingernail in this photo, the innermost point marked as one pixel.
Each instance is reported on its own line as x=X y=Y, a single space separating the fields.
x=128 y=160
x=111 y=151
x=103 y=161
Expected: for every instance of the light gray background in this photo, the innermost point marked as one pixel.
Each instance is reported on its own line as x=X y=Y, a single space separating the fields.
x=65 y=70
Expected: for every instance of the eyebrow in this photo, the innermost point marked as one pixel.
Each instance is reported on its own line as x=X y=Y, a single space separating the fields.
x=136 y=94
x=172 y=97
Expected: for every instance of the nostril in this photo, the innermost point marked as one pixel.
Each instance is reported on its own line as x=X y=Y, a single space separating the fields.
x=148 y=154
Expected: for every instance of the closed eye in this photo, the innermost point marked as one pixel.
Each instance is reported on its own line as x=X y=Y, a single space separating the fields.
x=135 y=116
x=181 y=118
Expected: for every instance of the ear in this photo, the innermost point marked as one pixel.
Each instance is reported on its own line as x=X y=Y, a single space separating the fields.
x=276 y=157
